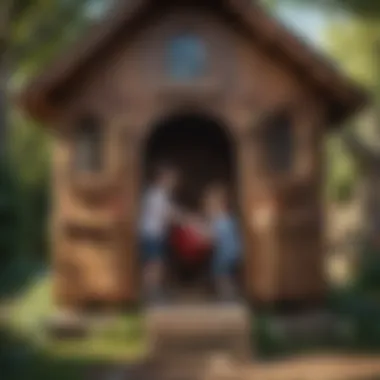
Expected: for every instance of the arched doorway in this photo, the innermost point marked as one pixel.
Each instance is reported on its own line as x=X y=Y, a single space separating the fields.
x=202 y=150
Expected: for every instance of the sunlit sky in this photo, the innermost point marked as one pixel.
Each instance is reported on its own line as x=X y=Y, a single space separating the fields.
x=305 y=22
x=308 y=22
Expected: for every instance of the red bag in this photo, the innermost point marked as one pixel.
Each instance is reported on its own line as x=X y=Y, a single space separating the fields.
x=189 y=243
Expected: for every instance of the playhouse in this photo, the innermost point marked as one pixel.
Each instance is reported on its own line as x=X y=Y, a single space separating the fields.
x=226 y=93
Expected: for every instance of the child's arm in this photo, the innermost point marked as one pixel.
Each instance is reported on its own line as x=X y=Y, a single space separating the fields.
x=206 y=230
x=177 y=214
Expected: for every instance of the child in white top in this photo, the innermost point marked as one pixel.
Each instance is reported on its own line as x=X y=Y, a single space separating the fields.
x=157 y=213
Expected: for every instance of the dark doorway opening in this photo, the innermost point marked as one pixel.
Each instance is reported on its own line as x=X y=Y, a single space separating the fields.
x=203 y=153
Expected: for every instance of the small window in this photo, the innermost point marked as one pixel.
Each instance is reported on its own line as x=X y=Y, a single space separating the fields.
x=186 y=58
x=278 y=140
x=88 y=145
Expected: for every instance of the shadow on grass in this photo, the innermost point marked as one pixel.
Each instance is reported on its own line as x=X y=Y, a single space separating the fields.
x=358 y=329
x=28 y=352
x=21 y=360
x=18 y=276
x=31 y=354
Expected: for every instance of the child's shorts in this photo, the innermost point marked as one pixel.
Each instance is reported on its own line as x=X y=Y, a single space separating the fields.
x=223 y=265
x=152 y=248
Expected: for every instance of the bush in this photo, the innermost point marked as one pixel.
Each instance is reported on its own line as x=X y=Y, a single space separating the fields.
x=8 y=217
x=368 y=271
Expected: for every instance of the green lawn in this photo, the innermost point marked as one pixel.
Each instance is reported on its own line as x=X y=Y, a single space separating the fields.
x=24 y=338
x=27 y=352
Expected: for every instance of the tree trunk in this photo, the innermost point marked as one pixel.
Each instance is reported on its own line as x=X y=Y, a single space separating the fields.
x=5 y=25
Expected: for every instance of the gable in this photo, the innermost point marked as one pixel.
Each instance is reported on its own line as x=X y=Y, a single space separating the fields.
x=139 y=70
x=260 y=33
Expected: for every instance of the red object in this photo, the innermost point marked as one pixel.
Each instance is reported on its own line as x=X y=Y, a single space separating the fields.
x=189 y=243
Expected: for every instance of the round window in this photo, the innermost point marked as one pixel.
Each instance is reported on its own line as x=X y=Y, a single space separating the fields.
x=186 y=57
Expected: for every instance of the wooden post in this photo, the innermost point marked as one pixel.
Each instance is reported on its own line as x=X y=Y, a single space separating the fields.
x=129 y=242
x=260 y=247
x=299 y=229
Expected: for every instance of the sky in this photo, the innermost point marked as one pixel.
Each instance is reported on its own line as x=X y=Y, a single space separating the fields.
x=307 y=23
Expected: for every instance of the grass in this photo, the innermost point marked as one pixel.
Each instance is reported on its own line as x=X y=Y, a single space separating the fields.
x=359 y=332
x=24 y=340
x=27 y=352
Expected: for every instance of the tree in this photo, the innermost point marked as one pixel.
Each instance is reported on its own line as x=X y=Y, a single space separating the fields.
x=5 y=21
x=369 y=9
x=31 y=32
x=354 y=43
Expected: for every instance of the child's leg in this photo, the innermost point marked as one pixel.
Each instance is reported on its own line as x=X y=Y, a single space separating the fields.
x=153 y=275
x=153 y=268
x=224 y=282
x=224 y=286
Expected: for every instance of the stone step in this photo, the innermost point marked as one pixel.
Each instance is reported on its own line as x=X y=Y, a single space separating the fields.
x=195 y=317
x=188 y=331
x=180 y=371
x=218 y=367
x=197 y=347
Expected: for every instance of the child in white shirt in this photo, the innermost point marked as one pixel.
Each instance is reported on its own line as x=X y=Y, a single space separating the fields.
x=157 y=214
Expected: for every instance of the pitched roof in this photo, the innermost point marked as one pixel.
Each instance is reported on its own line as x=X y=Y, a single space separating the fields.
x=342 y=95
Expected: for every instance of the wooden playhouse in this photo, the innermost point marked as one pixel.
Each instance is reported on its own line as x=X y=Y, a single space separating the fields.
x=225 y=92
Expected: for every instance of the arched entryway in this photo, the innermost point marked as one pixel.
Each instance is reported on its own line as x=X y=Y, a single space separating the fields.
x=202 y=150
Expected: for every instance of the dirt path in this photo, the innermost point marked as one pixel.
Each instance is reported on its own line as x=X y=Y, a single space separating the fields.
x=318 y=367
x=321 y=367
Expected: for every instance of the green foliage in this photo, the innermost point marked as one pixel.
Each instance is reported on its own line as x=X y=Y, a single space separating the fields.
x=263 y=337
x=370 y=9
x=342 y=171
x=24 y=197
x=368 y=271
x=120 y=339
x=351 y=41
x=8 y=216
x=358 y=313
x=30 y=157
x=39 y=29
x=357 y=305
x=19 y=360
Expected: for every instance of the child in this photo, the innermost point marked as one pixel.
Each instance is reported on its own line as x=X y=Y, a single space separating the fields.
x=226 y=241
x=157 y=213
x=191 y=239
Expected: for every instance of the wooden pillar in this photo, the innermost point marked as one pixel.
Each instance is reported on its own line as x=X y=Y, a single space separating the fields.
x=245 y=190
x=299 y=230
x=282 y=215
x=256 y=203
x=129 y=250
x=64 y=291
x=98 y=264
